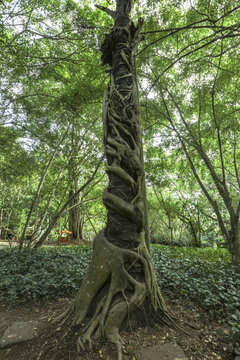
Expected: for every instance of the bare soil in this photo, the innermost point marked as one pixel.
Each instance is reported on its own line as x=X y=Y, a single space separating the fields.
x=202 y=339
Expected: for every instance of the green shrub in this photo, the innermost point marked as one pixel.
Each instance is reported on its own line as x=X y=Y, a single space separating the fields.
x=204 y=276
x=211 y=254
x=36 y=274
x=213 y=284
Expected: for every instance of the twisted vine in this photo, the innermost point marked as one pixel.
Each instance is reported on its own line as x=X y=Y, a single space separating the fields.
x=121 y=276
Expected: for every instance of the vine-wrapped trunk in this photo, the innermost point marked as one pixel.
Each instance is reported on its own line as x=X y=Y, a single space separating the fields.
x=122 y=138
x=120 y=278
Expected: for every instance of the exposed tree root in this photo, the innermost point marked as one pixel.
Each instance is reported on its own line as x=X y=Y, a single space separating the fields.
x=123 y=296
x=120 y=277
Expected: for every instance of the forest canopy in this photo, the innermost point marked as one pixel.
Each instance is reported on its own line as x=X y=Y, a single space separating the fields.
x=52 y=87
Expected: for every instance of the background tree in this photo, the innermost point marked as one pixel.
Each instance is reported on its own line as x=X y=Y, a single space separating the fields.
x=45 y=90
x=199 y=110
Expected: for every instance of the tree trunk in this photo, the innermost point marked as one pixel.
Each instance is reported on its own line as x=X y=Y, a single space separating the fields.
x=194 y=230
x=120 y=278
x=74 y=221
x=58 y=213
x=170 y=228
x=233 y=243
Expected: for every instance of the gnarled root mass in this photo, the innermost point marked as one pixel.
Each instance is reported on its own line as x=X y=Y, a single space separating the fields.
x=128 y=280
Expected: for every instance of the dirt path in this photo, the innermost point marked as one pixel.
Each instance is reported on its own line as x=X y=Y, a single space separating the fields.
x=211 y=341
x=5 y=244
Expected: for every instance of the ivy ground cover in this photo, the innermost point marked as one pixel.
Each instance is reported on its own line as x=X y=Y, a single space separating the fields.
x=204 y=276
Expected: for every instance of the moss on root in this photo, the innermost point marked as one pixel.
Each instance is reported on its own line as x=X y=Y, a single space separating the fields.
x=124 y=294
x=120 y=278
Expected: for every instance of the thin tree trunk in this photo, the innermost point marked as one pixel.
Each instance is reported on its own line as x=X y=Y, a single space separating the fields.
x=36 y=196
x=233 y=243
x=60 y=211
x=180 y=233
x=74 y=223
x=232 y=235
x=170 y=228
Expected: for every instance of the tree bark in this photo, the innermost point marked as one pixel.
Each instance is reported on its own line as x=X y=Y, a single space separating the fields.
x=231 y=235
x=58 y=213
x=233 y=241
x=74 y=220
x=120 y=278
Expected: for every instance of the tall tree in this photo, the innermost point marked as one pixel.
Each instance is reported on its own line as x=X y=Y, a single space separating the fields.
x=120 y=278
x=197 y=82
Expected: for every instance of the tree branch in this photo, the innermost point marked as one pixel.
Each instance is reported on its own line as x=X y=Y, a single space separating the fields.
x=216 y=122
x=205 y=191
x=106 y=10
x=191 y=52
x=58 y=213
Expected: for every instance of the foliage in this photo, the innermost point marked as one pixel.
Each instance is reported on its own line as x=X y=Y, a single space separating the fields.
x=50 y=100
x=188 y=72
x=205 y=276
x=32 y=275
x=212 y=255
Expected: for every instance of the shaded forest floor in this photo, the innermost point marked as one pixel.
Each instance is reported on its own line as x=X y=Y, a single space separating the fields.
x=207 y=339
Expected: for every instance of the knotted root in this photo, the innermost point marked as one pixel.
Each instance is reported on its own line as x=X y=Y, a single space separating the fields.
x=124 y=294
x=119 y=279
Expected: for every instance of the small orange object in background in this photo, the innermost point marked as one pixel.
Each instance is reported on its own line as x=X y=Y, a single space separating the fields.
x=64 y=236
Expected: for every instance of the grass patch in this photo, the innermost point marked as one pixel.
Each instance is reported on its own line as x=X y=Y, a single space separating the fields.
x=214 y=255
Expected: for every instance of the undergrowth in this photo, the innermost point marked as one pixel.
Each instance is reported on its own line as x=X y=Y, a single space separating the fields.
x=42 y=274
x=204 y=276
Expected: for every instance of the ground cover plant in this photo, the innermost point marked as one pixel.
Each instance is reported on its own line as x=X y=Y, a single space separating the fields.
x=204 y=276
x=42 y=274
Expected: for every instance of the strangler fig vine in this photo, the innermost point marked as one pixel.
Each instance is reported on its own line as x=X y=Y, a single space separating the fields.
x=120 y=279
